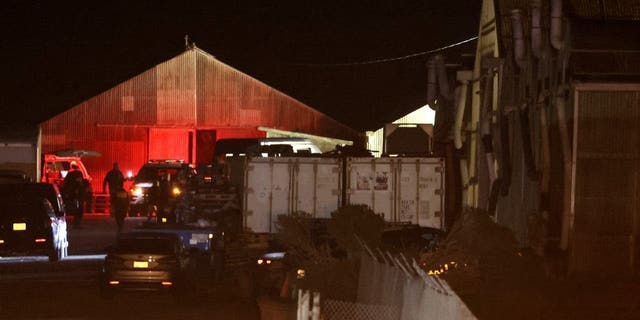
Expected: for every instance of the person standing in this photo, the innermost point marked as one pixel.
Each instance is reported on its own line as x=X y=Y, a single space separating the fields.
x=117 y=195
x=73 y=191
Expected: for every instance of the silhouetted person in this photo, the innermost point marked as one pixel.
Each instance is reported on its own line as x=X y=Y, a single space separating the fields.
x=117 y=195
x=73 y=191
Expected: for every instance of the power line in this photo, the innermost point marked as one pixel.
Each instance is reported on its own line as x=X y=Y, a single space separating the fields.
x=409 y=56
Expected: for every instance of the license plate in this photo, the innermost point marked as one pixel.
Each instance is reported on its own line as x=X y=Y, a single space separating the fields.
x=141 y=264
x=19 y=226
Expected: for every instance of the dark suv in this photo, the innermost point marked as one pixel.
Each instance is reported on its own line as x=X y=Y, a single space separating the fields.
x=158 y=186
x=32 y=220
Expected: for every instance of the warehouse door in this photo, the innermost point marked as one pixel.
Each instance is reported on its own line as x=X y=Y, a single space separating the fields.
x=205 y=142
x=171 y=144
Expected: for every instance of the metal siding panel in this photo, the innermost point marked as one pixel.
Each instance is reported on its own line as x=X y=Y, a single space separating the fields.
x=606 y=163
x=169 y=144
x=269 y=181
x=317 y=186
x=420 y=191
x=370 y=182
x=124 y=145
x=280 y=191
x=606 y=9
x=606 y=180
x=176 y=91
x=513 y=211
x=257 y=197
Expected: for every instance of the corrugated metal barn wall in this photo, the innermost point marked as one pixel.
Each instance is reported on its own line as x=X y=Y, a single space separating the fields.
x=114 y=123
x=607 y=175
x=154 y=115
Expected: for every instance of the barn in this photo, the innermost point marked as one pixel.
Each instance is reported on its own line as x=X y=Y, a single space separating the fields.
x=178 y=110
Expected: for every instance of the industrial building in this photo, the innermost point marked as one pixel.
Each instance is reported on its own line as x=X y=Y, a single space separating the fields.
x=178 y=110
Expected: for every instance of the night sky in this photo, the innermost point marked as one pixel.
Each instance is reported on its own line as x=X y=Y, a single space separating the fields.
x=56 y=55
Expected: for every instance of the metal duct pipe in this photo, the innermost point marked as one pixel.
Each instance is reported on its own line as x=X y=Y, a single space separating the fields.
x=485 y=125
x=461 y=101
x=536 y=28
x=518 y=37
x=431 y=83
x=443 y=82
x=566 y=160
x=545 y=149
x=557 y=40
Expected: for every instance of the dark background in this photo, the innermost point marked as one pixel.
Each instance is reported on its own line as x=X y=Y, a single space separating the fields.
x=57 y=54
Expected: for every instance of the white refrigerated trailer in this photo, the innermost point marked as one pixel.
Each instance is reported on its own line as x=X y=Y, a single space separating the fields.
x=403 y=190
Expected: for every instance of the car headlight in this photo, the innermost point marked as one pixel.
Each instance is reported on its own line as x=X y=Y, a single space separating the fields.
x=176 y=191
x=136 y=191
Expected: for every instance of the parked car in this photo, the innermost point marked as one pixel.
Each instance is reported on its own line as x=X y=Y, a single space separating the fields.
x=26 y=190
x=158 y=186
x=270 y=268
x=146 y=260
x=32 y=221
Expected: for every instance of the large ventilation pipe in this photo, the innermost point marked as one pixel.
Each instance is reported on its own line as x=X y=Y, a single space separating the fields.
x=536 y=28
x=461 y=100
x=566 y=174
x=443 y=82
x=485 y=124
x=518 y=37
x=556 y=36
x=431 y=83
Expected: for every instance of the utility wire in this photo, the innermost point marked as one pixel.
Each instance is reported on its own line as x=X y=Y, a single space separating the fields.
x=409 y=56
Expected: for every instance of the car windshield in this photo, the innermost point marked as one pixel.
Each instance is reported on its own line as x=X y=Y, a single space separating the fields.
x=145 y=245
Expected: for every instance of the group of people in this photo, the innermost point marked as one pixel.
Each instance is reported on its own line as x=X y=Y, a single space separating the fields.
x=76 y=189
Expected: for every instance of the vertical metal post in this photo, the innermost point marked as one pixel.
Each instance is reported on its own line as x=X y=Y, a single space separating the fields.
x=315 y=187
x=315 y=311
x=271 y=194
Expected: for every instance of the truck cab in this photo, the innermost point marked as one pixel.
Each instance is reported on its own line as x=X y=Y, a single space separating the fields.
x=56 y=167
